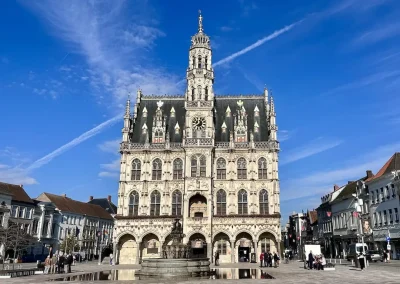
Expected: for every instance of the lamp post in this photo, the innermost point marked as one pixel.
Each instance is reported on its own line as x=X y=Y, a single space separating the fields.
x=357 y=207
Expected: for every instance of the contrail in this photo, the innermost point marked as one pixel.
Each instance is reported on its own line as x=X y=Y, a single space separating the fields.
x=256 y=44
x=83 y=137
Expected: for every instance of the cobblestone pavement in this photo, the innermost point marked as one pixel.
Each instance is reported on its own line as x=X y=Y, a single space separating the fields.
x=286 y=273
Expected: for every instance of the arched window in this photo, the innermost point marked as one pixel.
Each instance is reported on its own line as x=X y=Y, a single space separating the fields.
x=263 y=200
x=176 y=203
x=133 y=204
x=199 y=89
x=158 y=136
x=242 y=169
x=242 y=202
x=198 y=166
x=221 y=202
x=199 y=62
x=157 y=169
x=136 y=169
x=206 y=62
x=178 y=169
x=155 y=199
x=262 y=168
x=206 y=93
x=193 y=94
x=221 y=168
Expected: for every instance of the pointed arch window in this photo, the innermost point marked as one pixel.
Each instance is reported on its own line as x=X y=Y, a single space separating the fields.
x=206 y=93
x=158 y=136
x=262 y=168
x=198 y=166
x=206 y=62
x=242 y=202
x=157 y=170
x=199 y=62
x=242 y=169
x=221 y=168
x=133 y=204
x=136 y=169
x=176 y=203
x=221 y=202
x=263 y=202
x=155 y=200
x=193 y=62
x=178 y=169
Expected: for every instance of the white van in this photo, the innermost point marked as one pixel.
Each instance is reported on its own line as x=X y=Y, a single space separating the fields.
x=356 y=249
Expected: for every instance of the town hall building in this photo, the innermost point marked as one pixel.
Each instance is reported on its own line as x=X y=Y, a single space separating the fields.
x=210 y=160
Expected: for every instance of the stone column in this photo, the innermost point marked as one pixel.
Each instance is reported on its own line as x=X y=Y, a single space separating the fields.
x=161 y=249
x=233 y=250
x=139 y=245
x=256 y=250
x=115 y=253
x=40 y=223
x=209 y=252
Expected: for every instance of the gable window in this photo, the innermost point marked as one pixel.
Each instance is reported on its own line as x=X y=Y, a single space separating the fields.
x=263 y=200
x=158 y=136
x=134 y=204
x=221 y=202
x=178 y=169
x=242 y=169
x=157 y=169
x=242 y=202
x=221 y=168
x=176 y=203
x=155 y=199
x=262 y=168
x=136 y=169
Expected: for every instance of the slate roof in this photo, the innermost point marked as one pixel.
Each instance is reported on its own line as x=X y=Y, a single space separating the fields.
x=105 y=204
x=220 y=105
x=17 y=192
x=349 y=189
x=73 y=206
x=393 y=164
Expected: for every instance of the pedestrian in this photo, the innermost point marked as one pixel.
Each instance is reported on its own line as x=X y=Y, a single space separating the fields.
x=69 y=260
x=310 y=260
x=53 y=263
x=385 y=256
x=276 y=260
x=261 y=258
x=112 y=258
x=61 y=260
x=47 y=265
x=361 y=259
x=217 y=258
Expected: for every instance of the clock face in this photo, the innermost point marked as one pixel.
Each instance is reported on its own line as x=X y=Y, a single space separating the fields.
x=199 y=123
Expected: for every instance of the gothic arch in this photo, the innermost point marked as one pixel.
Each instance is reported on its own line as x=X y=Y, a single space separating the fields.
x=193 y=232
x=244 y=231
x=277 y=239
x=123 y=234
x=149 y=232
x=223 y=232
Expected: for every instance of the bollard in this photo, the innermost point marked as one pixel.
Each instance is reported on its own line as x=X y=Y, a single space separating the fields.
x=352 y=262
x=335 y=260
x=340 y=261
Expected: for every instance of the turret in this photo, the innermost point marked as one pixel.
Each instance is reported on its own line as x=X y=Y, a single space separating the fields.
x=272 y=127
x=127 y=121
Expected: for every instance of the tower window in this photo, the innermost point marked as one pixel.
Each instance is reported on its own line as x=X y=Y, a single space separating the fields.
x=193 y=62
x=157 y=169
x=206 y=62
x=133 y=204
x=242 y=169
x=155 y=199
x=242 y=202
x=263 y=199
x=262 y=168
x=221 y=168
x=199 y=62
x=136 y=169
x=221 y=202
x=178 y=168
x=176 y=203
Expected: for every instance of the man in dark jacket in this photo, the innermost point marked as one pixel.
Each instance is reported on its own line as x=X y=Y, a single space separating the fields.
x=70 y=260
x=310 y=260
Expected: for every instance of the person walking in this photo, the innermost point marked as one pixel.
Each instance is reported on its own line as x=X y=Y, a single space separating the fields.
x=53 y=263
x=216 y=258
x=276 y=260
x=61 y=260
x=310 y=260
x=69 y=260
x=361 y=259
x=261 y=259
x=47 y=265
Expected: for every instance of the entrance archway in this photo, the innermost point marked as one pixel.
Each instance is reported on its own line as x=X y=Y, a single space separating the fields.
x=222 y=244
x=244 y=247
x=127 y=249
x=150 y=247
x=199 y=245
x=267 y=243
x=198 y=206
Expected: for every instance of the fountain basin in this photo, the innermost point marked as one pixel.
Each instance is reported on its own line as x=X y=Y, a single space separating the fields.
x=164 y=268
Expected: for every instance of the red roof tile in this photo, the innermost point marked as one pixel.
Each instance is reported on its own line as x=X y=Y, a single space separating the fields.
x=392 y=164
x=17 y=192
x=66 y=204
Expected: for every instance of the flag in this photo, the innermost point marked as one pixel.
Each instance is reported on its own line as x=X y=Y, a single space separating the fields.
x=77 y=231
x=328 y=214
x=355 y=214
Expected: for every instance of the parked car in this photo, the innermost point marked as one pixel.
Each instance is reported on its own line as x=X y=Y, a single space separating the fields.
x=356 y=249
x=374 y=255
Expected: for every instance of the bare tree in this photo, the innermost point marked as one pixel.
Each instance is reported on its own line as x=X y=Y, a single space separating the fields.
x=70 y=244
x=15 y=238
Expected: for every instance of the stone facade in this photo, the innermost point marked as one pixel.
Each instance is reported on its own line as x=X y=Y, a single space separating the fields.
x=211 y=161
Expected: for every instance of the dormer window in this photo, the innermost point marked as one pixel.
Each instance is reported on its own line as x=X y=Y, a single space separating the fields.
x=223 y=127
x=158 y=137
x=228 y=112
x=144 y=128
x=172 y=112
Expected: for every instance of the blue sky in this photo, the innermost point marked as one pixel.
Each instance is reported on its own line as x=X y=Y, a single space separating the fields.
x=66 y=68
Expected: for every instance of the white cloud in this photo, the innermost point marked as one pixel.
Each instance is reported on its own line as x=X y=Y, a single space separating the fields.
x=226 y=28
x=245 y=50
x=108 y=174
x=314 y=147
x=16 y=175
x=380 y=33
x=81 y=138
x=284 y=135
x=113 y=166
x=110 y=146
x=322 y=181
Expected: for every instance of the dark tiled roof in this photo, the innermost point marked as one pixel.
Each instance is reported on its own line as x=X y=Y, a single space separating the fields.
x=391 y=165
x=69 y=205
x=349 y=189
x=105 y=204
x=17 y=192
x=220 y=106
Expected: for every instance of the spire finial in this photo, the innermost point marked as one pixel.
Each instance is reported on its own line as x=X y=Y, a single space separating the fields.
x=200 y=22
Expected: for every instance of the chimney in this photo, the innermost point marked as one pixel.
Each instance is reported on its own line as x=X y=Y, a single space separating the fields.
x=335 y=187
x=21 y=185
x=109 y=198
x=63 y=195
x=90 y=198
x=369 y=174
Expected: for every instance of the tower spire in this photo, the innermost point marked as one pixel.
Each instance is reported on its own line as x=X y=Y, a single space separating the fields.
x=200 y=22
